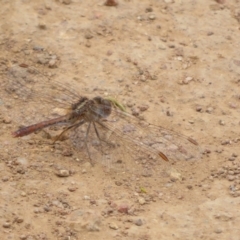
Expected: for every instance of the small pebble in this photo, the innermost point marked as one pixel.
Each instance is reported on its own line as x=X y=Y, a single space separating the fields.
x=138 y=222
x=143 y=78
x=169 y=113
x=23 y=237
x=72 y=189
x=209 y=110
x=38 y=48
x=6 y=225
x=52 y=63
x=230 y=177
x=88 y=44
x=220 y=1
x=63 y=173
x=231 y=172
x=152 y=17
x=19 y=220
x=143 y=108
x=86 y=197
x=5 y=179
x=111 y=3
x=149 y=9
x=210 y=33
x=218 y=231
x=123 y=208
x=88 y=35
x=187 y=80
x=221 y=122
x=7 y=120
x=141 y=200
x=113 y=226
x=118 y=183
x=67 y=2
x=198 y=108
x=23 y=194
x=42 y=26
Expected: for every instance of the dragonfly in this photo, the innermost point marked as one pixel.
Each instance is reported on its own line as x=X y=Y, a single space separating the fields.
x=98 y=126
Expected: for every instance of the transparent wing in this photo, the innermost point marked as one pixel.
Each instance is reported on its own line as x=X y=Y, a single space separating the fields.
x=123 y=143
x=101 y=146
x=153 y=139
x=29 y=96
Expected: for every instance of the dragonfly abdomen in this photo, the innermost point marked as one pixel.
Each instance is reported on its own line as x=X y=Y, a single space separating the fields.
x=38 y=126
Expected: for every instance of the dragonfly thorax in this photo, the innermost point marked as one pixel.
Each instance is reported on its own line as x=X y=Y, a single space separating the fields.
x=91 y=110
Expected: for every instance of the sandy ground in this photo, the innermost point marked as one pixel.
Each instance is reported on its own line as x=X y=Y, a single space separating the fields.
x=177 y=60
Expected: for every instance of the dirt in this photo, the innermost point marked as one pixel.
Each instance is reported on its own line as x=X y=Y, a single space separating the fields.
x=176 y=64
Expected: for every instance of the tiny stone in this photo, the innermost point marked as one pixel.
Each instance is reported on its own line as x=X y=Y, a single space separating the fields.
x=205 y=187
x=221 y=122
x=143 y=78
x=149 y=9
x=67 y=2
x=88 y=35
x=123 y=208
x=130 y=104
x=63 y=173
x=88 y=44
x=230 y=178
x=171 y=46
x=234 y=155
x=236 y=194
x=52 y=63
x=218 y=231
x=6 y=120
x=19 y=220
x=23 y=194
x=5 y=179
x=42 y=26
x=154 y=77
x=143 y=108
x=86 y=197
x=151 y=16
x=187 y=80
x=191 y=121
x=141 y=200
x=67 y=152
x=118 y=183
x=135 y=112
x=72 y=189
x=209 y=110
x=23 y=237
x=231 y=159
x=198 y=108
x=169 y=114
x=138 y=222
x=221 y=171
x=111 y=3
x=6 y=225
x=113 y=226
x=210 y=33
x=38 y=48
x=84 y=171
